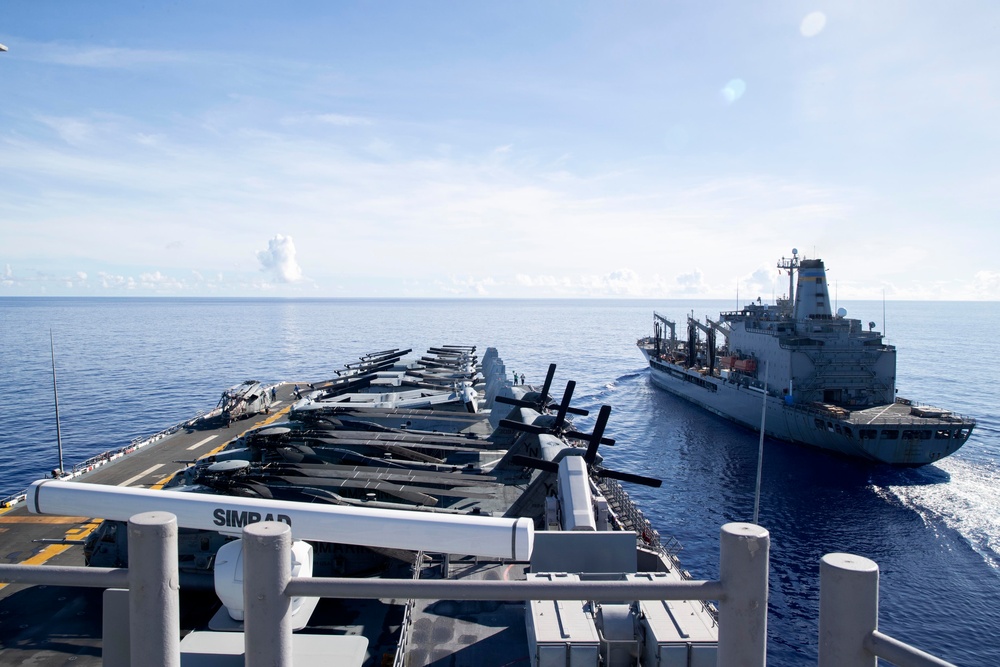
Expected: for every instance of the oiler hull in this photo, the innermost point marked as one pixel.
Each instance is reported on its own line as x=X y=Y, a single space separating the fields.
x=888 y=434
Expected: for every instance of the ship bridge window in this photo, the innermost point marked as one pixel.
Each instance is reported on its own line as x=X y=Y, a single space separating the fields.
x=890 y=434
x=916 y=435
x=942 y=434
x=819 y=423
x=867 y=434
x=847 y=432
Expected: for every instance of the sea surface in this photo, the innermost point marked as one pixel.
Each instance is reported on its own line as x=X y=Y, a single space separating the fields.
x=127 y=368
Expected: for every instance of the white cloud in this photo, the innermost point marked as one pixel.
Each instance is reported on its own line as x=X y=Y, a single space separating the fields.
x=279 y=260
x=691 y=283
x=73 y=131
x=102 y=56
x=159 y=282
x=986 y=285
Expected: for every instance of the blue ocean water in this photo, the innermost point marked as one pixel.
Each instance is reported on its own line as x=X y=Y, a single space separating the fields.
x=129 y=367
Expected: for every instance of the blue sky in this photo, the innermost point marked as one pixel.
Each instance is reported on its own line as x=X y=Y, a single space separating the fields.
x=517 y=149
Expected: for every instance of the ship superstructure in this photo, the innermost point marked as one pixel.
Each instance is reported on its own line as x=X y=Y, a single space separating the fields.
x=826 y=380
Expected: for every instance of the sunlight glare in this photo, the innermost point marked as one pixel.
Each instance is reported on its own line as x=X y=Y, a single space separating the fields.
x=813 y=24
x=733 y=90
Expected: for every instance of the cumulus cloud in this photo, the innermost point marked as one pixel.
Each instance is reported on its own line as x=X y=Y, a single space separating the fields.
x=469 y=285
x=111 y=281
x=279 y=260
x=8 y=277
x=159 y=281
x=986 y=285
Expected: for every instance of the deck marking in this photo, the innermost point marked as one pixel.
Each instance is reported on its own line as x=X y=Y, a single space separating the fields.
x=273 y=418
x=202 y=442
x=52 y=550
x=142 y=474
x=43 y=519
x=880 y=413
x=79 y=532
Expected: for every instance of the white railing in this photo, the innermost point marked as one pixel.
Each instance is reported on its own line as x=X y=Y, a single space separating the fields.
x=848 y=596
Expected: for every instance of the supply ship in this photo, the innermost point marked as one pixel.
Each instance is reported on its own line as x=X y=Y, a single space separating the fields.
x=811 y=376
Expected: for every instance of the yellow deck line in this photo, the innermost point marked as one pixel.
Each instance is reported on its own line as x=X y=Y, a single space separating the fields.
x=43 y=519
x=50 y=551
x=79 y=532
x=270 y=420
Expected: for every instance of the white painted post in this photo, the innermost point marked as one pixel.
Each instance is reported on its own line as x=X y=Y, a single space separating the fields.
x=154 y=601
x=267 y=610
x=743 y=563
x=848 y=610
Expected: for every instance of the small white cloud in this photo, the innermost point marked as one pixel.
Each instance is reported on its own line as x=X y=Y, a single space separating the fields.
x=506 y=148
x=986 y=284
x=72 y=130
x=81 y=275
x=691 y=283
x=733 y=90
x=279 y=260
x=813 y=24
x=105 y=57
x=159 y=281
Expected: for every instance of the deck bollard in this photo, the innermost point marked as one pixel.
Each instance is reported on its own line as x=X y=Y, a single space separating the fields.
x=154 y=600
x=267 y=610
x=848 y=610
x=743 y=570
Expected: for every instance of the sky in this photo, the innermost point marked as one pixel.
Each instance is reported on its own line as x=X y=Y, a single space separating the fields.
x=672 y=149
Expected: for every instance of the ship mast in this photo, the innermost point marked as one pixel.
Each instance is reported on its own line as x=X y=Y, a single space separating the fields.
x=790 y=265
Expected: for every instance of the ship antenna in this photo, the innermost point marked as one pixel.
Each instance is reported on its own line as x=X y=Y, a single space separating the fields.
x=55 y=394
x=760 y=447
x=883 y=313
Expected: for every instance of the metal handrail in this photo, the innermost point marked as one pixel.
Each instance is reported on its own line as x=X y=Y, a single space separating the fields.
x=848 y=631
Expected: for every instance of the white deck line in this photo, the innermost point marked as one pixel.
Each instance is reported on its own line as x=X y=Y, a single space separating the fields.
x=202 y=442
x=142 y=474
x=880 y=413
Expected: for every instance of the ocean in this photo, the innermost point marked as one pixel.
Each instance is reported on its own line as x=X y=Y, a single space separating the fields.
x=128 y=367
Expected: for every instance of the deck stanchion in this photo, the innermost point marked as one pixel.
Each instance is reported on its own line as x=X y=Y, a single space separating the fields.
x=848 y=610
x=154 y=602
x=743 y=563
x=267 y=569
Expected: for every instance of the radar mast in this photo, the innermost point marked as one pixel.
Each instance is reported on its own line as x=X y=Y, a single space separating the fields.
x=790 y=265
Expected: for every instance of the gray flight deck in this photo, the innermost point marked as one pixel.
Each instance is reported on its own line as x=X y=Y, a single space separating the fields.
x=56 y=625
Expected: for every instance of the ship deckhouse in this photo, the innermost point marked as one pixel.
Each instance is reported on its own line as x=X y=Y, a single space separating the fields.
x=811 y=355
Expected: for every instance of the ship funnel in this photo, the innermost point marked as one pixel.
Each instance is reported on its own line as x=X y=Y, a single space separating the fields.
x=811 y=296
